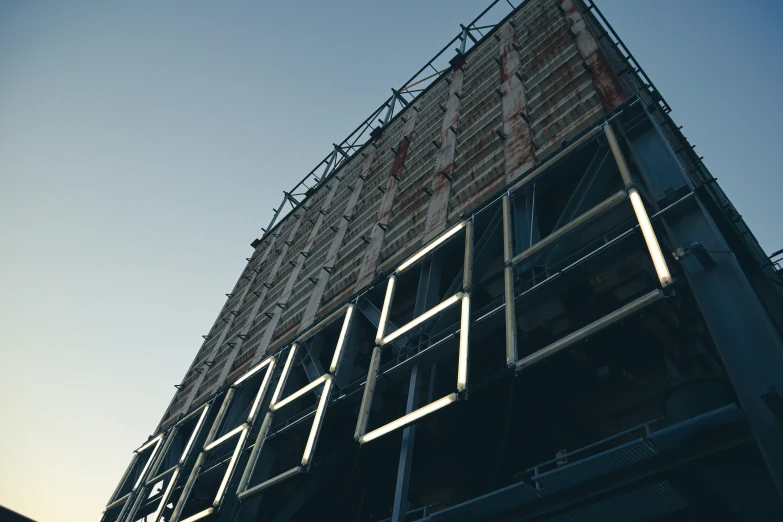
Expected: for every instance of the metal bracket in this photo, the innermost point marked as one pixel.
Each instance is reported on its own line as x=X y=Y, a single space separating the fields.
x=698 y=251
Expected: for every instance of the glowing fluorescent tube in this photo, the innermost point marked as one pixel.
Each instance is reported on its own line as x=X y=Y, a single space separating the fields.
x=385 y=310
x=298 y=393
x=199 y=515
x=369 y=390
x=225 y=437
x=194 y=434
x=253 y=371
x=262 y=390
x=649 y=237
x=319 y=414
x=423 y=317
x=284 y=375
x=409 y=418
x=156 y=442
x=341 y=339
x=165 y=498
x=149 y=443
x=274 y=480
x=462 y=367
x=231 y=465
x=429 y=248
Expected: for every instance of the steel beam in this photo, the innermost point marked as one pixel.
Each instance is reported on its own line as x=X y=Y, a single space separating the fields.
x=400 y=504
x=508 y=282
x=746 y=338
x=598 y=210
x=426 y=297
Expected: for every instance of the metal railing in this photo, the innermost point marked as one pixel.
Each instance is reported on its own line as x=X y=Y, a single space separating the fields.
x=467 y=39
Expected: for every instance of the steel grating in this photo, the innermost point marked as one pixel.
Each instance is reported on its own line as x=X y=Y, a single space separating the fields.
x=488 y=505
x=645 y=503
x=595 y=466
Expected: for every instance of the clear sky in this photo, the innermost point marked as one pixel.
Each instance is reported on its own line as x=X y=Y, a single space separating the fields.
x=143 y=145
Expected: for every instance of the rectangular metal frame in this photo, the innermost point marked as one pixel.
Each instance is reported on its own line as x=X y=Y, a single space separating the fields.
x=643 y=220
x=241 y=434
x=325 y=380
x=124 y=500
x=382 y=339
x=175 y=470
x=241 y=431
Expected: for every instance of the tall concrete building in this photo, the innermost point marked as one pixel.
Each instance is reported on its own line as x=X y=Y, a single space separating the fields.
x=514 y=292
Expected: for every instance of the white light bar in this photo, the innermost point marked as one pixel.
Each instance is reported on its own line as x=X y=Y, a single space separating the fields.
x=341 y=340
x=262 y=389
x=429 y=248
x=462 y=366
x=156 y=442
x=592 y=328
x=231 y=465
x=409 y=418
x=385 y=310
x=165 y=498
x=149 y=443
x=649 y=237
x=298 y=393
x=253 y=371
x=274 y=480
x=199 y=515
x=423 y=317
x=284 y=375
x=225 y=437
x=193 y=435
x=319 y=413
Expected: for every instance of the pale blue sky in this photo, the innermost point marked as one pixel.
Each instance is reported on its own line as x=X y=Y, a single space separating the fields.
x=143 y=145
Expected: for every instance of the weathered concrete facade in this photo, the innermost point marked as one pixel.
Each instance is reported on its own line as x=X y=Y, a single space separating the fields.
x=538 y=79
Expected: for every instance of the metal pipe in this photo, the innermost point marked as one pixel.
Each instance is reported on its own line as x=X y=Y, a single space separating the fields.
x=592 y=328
x=369 y=389
x=548 y=162
x=467 y=271
x=508 y=286
x=274 y=480
x=598 y=210
x=183 y=498
x=219 y=418
x=625 y=173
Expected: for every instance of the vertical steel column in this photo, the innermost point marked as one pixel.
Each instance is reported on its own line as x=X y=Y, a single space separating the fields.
x=406 y=452
x=746 y=338
x=641 y=214
x=373 y=251
x=508 y=279
x=426 y=296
